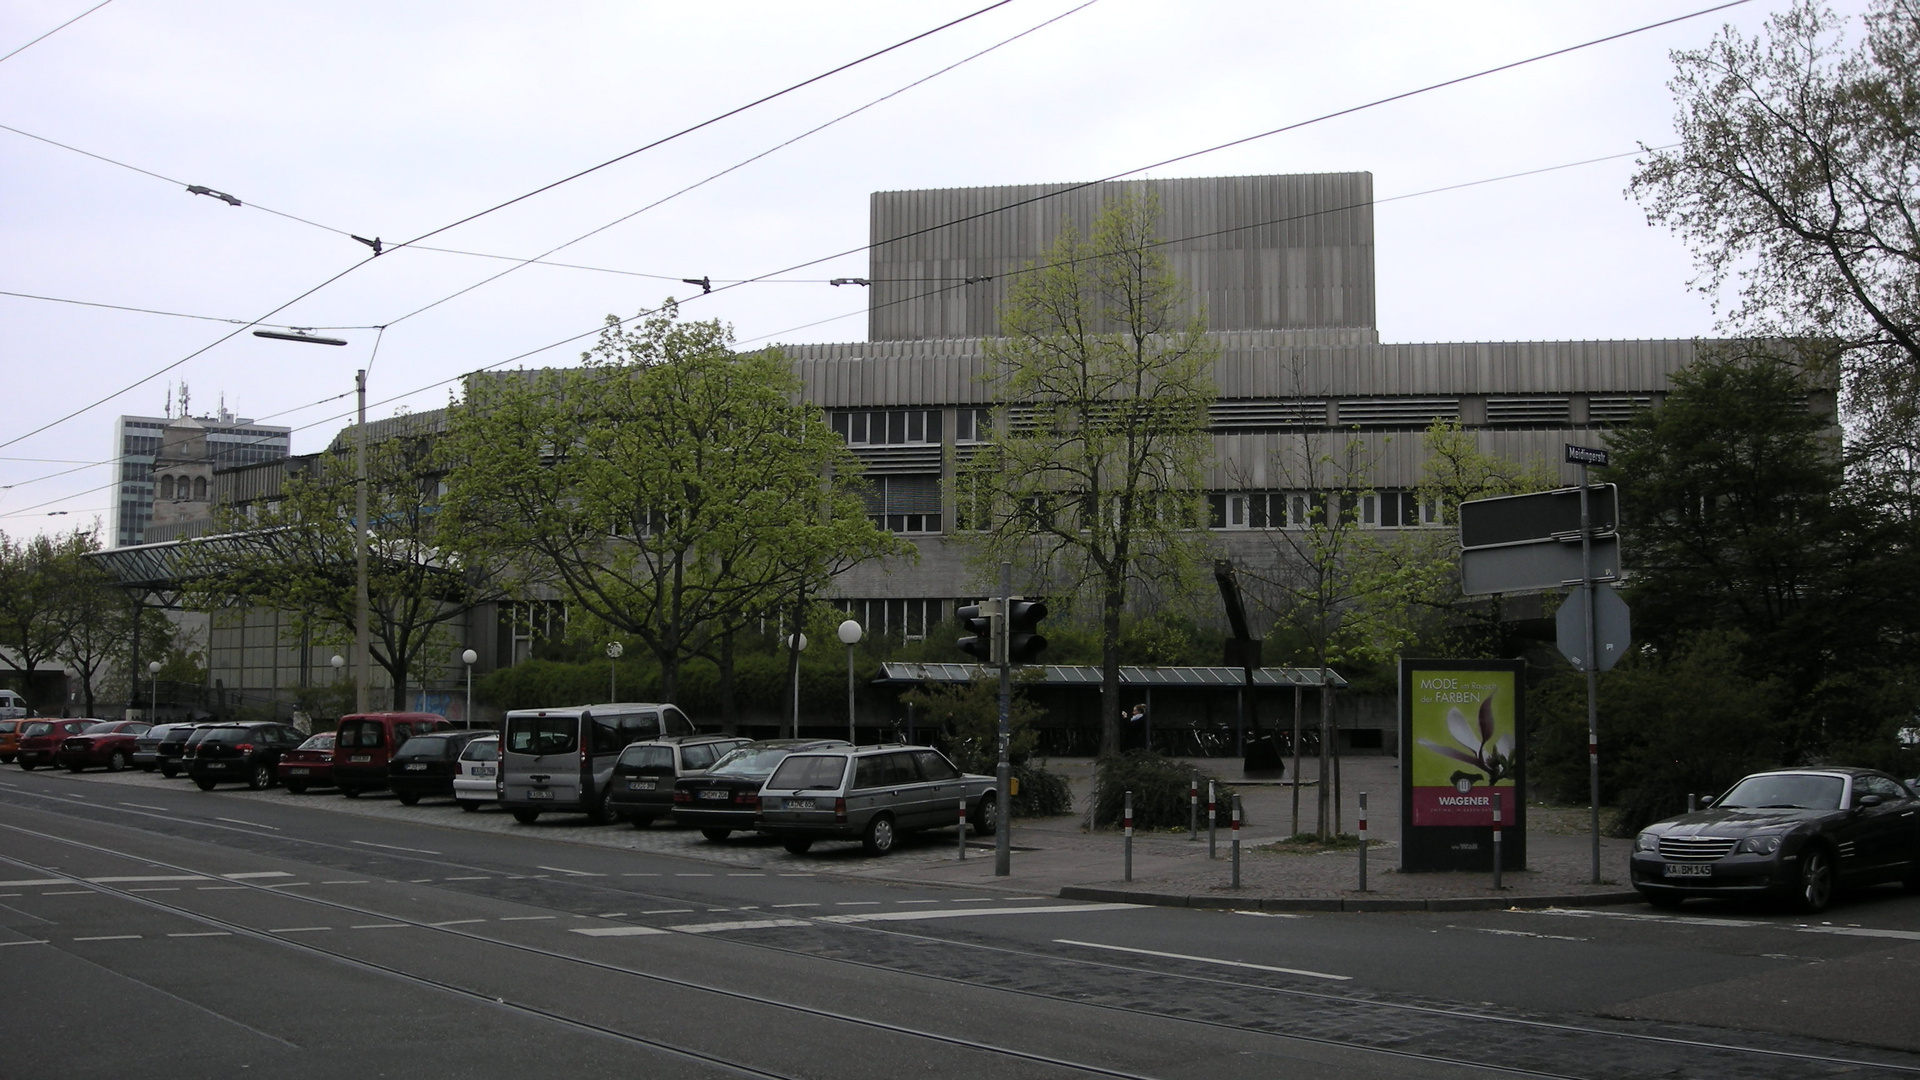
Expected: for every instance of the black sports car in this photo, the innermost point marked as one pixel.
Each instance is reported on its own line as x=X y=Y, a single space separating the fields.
x=1796 y=834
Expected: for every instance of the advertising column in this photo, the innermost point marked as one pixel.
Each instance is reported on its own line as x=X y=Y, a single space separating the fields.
x=1462 y=740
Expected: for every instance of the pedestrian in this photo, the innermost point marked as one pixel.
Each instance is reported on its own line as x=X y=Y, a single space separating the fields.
x=1135 y=725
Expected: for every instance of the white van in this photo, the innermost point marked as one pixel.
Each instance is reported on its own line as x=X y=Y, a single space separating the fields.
x=12 y=706
x=562 y=759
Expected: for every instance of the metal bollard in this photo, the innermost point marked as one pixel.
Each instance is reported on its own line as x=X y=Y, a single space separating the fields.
x=1236 y=841
x=963 y=828
x=1691 y=805
x=1363 y=841
x=1127 y=848
x=1212 y=821
x=1193 y=807
x=1496 y=839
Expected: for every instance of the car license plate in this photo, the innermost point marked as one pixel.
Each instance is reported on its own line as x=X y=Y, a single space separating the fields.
x=640 y=785
x=298 y=772
x=481 y=770
x=713 y=794
x=536 y=793
x=417 y=766
x=1676 y=869
x=799 y=804
x=214 y=764
x=361 y=757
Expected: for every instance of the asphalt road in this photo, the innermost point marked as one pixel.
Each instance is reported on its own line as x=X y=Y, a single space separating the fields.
x=147 y=928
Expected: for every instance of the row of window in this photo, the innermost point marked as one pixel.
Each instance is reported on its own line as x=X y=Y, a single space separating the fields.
x=182 y=489
x=907 y=427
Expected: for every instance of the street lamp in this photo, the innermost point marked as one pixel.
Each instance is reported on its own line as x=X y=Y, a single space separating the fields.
x=468 y=658
x=850 y=633
x=614 y=649
x=798 y=643
x=153 y=688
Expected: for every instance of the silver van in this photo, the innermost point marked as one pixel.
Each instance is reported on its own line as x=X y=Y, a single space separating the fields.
x=873 y=794
x=562 y=759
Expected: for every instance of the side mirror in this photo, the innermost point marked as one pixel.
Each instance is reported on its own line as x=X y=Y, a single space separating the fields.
x=1867 y=801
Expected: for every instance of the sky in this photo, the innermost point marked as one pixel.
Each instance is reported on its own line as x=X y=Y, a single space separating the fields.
x=399 y=118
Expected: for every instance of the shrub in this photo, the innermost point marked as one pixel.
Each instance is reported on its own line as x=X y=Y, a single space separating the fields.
x=1159 y=787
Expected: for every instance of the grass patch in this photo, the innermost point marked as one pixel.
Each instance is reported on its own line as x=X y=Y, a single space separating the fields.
x=1307 y=843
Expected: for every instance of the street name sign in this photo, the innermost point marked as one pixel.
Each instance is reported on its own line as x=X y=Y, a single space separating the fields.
x=1543 y=515
x=1534 y=567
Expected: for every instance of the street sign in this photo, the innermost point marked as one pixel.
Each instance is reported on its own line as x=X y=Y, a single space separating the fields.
x=1533 y=567
x=1586 y=455
x=1612 y=628
x=1543 y=515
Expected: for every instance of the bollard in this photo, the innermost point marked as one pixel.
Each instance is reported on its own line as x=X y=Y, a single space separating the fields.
x=1236 y=841
x=963 y=828
x=1193 y=807
x=1212 y=821
x=1496 y=838
x=1127 y=848
x=1363 y=841
x=1691 y=805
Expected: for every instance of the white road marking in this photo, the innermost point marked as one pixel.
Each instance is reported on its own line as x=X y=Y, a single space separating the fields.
x=70 y=892
x=693 y=875
x=377 y=926
x=299 y=929
x=1267 y=914
x=669 y=911
x=971 y=913
x=856 y=903
x=144 y=806
x=482 y=877
x=610 y=915
x=153 y=877
x=220 y=888
x=744 y=924
x=618 y=931
x=392 y=847
x=157 y=888
x=564 y=870
x=639 y=875
x=976 y=900
x=253 y=875
x=33 y=881
x=111 y=937
x=254 y=824
x=747 y=875
x=1861 y=931
x=4 y=944
x=525 y=918
x=362 y=881
x=1205 y=960
x=796 y=875
x=419 y=881
x=1517 y=933
x=204 y=933
x=456 y=922
x=904 y=902
x=1639 y=916
x=792 y=905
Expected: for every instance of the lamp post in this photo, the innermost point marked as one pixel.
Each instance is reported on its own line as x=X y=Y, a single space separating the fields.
x=614 y=649
x=338 y=662
x=467 y=658
x=153 y=688
x=798 y=643
x=850 y=633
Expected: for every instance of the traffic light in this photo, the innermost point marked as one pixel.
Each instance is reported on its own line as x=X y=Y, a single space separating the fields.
x=980 y=619
x=1024 y=642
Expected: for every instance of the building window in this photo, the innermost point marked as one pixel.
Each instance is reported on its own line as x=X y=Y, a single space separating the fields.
x=904 y=504
x=971 y=425
x=1397 y=510
x=888 y=427
x=1265 y=509
x=906 y=618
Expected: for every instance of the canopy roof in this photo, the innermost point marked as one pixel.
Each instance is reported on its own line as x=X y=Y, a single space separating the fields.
x=1089 y=675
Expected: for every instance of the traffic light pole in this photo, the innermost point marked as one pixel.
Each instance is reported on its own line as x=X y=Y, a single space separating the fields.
x=1003 y=773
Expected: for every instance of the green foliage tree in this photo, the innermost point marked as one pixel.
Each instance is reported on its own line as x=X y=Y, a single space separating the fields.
x=1796 y=177
x=1103 y=381
x=297 y=555
x=41 y=578
x=672 y=490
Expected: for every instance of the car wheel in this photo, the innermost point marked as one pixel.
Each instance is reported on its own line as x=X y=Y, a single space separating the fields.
x=525 y=815
x=716 y=835
x=169 y=771
x=260 y=779
x=6 y=760
x=796 y=845
x=350 y=792
x=642 y=821
x=468 y=805
x=408 y=798
x=602 y=812
x=119 y=761
x=204 y=785
x=148 y=767
x=75 y=768
x=879 y=838
x=27 y=765
x=1665 y=901
x=1815 y=890
x=986 y=815
x=296 y=789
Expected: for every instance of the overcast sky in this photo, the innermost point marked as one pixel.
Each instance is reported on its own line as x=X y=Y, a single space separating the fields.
x=396 y=118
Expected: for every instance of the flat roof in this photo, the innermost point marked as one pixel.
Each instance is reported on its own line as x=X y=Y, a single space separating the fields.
x=1089 y=675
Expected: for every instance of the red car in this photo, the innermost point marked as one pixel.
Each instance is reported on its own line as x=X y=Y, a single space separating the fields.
x=41 y=739
x=364 y=743
x=109 y=744
x=308 y=765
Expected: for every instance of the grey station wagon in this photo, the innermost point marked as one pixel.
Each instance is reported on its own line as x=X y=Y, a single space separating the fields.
x=873 y=794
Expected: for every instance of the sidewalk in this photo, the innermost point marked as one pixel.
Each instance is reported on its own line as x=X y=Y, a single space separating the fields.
x=1056 y=856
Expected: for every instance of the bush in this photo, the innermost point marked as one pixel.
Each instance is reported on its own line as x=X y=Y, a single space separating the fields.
x=1159 y=787
x=1042 y=793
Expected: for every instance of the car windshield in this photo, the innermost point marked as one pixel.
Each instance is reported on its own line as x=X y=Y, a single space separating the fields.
x=543 y=734
x=750 y=761
x=803 y=771
x=8 y=725
x=482 y=750
x=643 y=756
x=437 y=747
x=361 y=733
x=104 y=727
x=37 y=729
x=318 y=742
x=1785 y=791
x=230 y=735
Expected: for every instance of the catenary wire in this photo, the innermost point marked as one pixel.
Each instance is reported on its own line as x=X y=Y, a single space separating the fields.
x=472 y=217
x=55 y=30
x=172 y=314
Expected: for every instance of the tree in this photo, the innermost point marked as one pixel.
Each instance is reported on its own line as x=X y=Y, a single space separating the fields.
x=672 y=490
x=37 y=587
x=1798 y=176
x=1103 y=382
x=101 y=622
x=297 y=555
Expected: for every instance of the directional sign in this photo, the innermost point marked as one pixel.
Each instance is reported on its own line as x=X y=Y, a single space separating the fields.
x=1612 y=628
x=1533 y=567
x=1543 y=515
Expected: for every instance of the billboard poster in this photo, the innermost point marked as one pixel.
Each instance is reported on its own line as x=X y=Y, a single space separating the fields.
x=1462 y=736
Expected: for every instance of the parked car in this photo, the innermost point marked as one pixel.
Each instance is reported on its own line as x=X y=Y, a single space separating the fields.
x=308 y=765
x=873 y=794
x=426 y=765
x=40 y=739
x=239 y=753
x=10 y=740
x=726 y=798
x=108 y=744
x=364 y=745
x=562 y=759
x=645 y=773
x=478 y=781
x=1794 y=834
x=172 y=747
x=146 y=746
